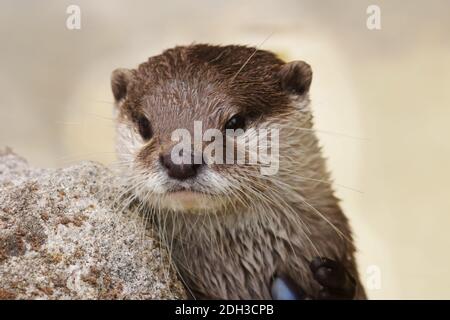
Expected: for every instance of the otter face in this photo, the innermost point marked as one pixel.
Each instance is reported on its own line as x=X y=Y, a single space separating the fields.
x=190 y=120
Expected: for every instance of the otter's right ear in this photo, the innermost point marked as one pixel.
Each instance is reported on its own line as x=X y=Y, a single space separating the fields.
x=120 y=79
x=296 y=77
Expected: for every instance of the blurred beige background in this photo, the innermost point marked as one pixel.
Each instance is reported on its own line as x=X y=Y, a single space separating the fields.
x=381 y=99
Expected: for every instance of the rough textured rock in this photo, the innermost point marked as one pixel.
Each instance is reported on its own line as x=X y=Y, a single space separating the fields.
x=62 y=238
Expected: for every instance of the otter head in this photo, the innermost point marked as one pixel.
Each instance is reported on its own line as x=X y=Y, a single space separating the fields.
x=175 y=119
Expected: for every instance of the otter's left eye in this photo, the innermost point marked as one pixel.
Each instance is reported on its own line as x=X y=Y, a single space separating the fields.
x=144 y=128
x=236 y=122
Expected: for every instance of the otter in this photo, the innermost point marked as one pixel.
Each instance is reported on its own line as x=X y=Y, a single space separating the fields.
x=232 y=232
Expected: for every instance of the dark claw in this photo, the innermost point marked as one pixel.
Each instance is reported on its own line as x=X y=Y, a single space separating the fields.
x=329 y=273
x=336 y=282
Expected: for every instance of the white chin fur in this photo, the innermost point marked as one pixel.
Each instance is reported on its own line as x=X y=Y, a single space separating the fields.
x=187 y=201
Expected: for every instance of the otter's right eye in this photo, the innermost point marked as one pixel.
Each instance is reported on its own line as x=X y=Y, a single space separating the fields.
x=235 y=123
x=144 y=128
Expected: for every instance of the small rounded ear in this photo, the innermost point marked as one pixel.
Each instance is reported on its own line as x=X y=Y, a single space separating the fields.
x=119 y=83
x=296 y=77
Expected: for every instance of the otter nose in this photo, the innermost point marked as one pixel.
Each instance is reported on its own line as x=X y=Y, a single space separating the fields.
x=181 y=171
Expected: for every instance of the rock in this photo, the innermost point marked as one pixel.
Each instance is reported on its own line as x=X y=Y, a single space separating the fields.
x=63 y=237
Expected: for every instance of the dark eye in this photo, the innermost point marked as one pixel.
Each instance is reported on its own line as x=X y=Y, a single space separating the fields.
x=236 y=122
x=144 y=128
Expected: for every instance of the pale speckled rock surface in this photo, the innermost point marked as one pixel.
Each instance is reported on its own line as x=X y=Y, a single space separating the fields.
x=60 y=238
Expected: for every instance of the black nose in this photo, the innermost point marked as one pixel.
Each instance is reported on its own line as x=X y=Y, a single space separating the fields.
x=181 y=171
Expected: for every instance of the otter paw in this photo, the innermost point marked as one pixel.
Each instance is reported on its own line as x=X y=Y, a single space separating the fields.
x=335 y=280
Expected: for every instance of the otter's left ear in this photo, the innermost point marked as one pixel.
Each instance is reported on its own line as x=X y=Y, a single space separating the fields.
x=296 y=77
